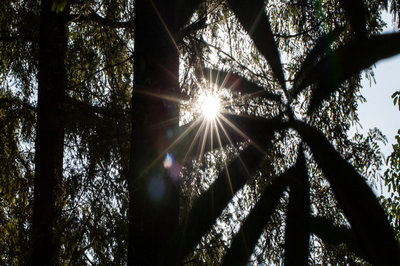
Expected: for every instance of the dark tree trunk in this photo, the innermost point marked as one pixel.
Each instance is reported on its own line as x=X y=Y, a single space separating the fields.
x=49 y=136
x=153 y=214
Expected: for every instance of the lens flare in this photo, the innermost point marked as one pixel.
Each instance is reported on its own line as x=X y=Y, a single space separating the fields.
x=168 y=160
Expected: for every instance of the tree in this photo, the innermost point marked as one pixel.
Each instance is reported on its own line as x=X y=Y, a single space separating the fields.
x=84 y=120
x=218 y=195
x=153 y=216
x=269 y=190
x=49 y=142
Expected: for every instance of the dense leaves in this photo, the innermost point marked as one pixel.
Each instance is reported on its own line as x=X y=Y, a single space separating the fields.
x=355 y=11
x=256 y=185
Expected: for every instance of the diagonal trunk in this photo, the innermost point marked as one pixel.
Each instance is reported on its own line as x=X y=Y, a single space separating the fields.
x=49 y=136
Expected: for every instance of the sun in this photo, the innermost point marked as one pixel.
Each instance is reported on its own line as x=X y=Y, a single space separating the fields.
x=209 y=106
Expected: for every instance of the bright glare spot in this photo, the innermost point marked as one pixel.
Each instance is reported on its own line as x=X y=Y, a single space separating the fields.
x=209 y=106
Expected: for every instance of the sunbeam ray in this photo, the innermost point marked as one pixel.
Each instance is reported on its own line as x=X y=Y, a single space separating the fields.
x=172 y=145
x=240 y=159
x=205 y=135
x=195 y=137
x=164 y=25
x=212 y=122
x=223 y=130
x=178 y=98
x=240 y=132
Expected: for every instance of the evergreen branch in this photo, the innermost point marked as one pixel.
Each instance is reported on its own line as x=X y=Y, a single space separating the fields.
x=74 y=106
x=300 y=33
x=15 y=101
x=231 y=57
x=94 y=17
x=100 y=70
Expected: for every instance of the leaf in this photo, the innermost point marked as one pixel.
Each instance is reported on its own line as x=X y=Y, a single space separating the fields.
x=245 y=240
x=335 y=235
x=355 y=13
x=297 y=233
x=396 y=97
x=355 y=197
x=237 y=83
x=252 y=16
x=211 y=203
x=58 y=5
x=322 y=46
x=346 y=61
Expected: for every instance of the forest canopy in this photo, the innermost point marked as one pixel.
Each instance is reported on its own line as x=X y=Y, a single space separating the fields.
x=194 y=132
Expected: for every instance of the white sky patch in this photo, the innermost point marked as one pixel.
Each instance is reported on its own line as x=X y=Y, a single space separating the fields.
x=379 y=110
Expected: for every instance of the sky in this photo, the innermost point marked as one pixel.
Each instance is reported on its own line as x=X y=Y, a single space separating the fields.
x=379 y=110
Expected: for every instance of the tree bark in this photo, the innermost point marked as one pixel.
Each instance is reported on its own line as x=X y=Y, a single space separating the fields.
x=49 y=136
x=153 y=208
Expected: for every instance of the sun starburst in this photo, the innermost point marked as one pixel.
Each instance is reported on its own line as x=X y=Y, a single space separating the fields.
x=209 y=105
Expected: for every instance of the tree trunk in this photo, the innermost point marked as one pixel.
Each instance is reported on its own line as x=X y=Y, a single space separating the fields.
x=49 y=136
x=153 y=208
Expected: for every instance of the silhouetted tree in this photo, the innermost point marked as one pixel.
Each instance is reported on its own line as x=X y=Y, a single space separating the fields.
x=49 y=144
x=274 y=173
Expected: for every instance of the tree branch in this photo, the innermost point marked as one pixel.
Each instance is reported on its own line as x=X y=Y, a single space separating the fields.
x=195 y=26
x=300 y=33
x=94 y=17
x=15 y=101
x=74 y=106
x=101 y=70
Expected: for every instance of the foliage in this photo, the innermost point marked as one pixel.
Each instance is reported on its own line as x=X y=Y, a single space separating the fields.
x=315 y=141
x=16 y=179
x=98 y=100
x=391 y=202
x=282 y=92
